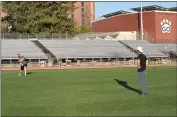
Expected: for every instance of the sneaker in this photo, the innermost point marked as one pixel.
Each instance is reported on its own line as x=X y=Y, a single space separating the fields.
x=144 y=93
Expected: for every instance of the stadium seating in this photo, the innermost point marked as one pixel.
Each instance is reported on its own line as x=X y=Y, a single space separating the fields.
x=87 y=49
x=166 y=47
x=96 y=48
x=149 y=49
x=10 y=49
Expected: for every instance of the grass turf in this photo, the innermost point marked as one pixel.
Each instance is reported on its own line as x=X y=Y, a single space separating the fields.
x=88 y=92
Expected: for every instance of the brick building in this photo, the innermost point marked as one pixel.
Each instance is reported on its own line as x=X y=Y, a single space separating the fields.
x=159 y=23
x=84 y=13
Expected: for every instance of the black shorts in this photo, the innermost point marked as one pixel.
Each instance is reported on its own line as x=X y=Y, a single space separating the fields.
x=22 y=66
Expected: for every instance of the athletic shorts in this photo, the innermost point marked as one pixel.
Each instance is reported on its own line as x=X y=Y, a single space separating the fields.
x=22 y=66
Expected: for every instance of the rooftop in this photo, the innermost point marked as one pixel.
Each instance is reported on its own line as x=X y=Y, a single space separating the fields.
x=173 y=9
x=151 y=8
x=155 y=8
x=115 y=13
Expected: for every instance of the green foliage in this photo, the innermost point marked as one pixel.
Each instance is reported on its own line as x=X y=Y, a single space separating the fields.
x=3 y=25
x=83 y=29
x=4 y=28
x=37 y=17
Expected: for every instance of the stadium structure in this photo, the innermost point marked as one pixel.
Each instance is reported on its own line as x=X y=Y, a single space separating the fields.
x=51 y=90
x=159 y=23
x=78 y=50
x=103 y=46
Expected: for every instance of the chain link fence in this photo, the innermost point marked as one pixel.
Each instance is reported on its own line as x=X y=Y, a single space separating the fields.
x=85 y=36
x=66 y=36
x=39 y=36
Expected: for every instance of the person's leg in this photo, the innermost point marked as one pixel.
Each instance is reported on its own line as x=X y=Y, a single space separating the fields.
x=141 y=78
x=144 y=82
x=21 y=70
x=25 y=69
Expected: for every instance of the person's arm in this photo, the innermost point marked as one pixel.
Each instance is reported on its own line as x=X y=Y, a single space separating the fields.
x=21 y=59
x=138 y=63
x=147 y=62
x=21 y=63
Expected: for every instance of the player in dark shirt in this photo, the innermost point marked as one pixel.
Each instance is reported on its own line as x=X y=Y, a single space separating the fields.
x=142 y=62
x=23 y=64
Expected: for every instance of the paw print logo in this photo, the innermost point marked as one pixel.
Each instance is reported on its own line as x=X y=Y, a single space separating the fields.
x=166 y=26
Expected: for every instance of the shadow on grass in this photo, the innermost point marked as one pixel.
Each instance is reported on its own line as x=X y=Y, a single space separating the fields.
x=125 y=85
x=28 y=73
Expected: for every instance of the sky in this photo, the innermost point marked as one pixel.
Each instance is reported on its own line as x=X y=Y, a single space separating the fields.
x=102 y=8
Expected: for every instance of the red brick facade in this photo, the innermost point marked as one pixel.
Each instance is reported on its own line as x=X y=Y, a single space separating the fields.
x=166 y=37
x=151 y=24
x=89 y=13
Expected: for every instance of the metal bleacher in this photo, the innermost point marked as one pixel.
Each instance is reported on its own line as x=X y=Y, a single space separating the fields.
x=150 y=50
x=83 y=49
x=167 y=47
x=65 y=49
x=10 y=49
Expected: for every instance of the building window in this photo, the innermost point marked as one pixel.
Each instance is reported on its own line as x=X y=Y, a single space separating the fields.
x=82 y=4
x=83 y=18
x=82 y=10
x=82 y=13
x=83 y=22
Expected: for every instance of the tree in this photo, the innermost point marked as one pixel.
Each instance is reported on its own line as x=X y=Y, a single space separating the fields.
x=39 y=17
x=82 y=29
x=4 y=27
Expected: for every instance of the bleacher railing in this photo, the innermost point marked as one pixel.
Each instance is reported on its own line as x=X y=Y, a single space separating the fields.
x=84 y=36
x=65 y=36
x=39 y=36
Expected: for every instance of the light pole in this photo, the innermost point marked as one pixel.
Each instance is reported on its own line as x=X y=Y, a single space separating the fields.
x=141 y=21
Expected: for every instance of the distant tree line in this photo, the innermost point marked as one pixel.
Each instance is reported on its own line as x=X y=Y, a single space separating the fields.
x=40 y=17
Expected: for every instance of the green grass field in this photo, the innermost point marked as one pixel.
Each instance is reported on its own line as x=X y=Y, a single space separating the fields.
x=88 y=92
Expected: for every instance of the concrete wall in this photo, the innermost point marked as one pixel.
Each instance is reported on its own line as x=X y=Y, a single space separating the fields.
x=127 y=36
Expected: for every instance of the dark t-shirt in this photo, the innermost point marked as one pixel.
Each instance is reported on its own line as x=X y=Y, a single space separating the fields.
x=143 y=59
